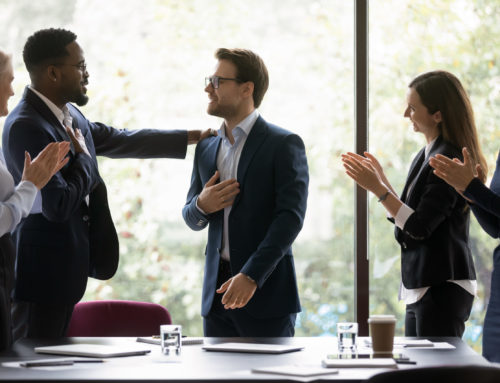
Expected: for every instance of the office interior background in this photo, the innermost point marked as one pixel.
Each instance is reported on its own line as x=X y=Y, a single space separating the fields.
x=147 y=62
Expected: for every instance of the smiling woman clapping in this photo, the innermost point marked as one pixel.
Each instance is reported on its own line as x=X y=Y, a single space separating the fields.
x=431 y=217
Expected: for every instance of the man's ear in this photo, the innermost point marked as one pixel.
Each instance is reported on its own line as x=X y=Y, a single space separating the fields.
x=247 y=89
x=437 y=117
x=52 y=73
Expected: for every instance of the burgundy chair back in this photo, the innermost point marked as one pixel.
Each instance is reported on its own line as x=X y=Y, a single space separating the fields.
x=117 y=318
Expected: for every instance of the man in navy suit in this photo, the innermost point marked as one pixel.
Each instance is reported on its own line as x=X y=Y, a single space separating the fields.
x=69 y=234
x=249 y=185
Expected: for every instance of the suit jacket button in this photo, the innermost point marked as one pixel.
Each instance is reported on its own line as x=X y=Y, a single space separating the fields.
x=85 y=218
x=404 y=245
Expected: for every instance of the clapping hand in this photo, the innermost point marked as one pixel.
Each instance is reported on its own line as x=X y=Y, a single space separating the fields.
x=367 y=172
x=48 y=162
x=455 y=172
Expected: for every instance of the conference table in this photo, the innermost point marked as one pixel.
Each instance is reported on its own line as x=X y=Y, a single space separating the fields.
x=198 y=365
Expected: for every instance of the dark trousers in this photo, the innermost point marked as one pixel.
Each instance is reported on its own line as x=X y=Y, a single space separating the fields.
x=238 y=322
x=442 y=311
x=491 y=328
x=40 y=320
x=7 y=259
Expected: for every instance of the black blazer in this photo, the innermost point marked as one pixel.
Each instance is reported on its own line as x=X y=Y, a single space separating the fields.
x=266 y=217
x=435 y=239
x=58 y=249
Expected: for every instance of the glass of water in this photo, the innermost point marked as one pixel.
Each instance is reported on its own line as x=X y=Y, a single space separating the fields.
x=171 y=340
x=347 y=333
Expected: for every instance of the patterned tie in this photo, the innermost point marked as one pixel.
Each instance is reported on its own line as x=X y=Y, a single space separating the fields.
x=67 y=120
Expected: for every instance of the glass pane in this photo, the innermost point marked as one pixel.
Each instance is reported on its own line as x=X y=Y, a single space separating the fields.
x=147 y=63
x=461 y=37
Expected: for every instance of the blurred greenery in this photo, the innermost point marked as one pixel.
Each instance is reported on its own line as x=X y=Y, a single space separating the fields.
x=147 y=61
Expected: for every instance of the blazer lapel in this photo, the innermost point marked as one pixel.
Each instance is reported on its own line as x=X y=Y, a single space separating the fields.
x=413 y=173
x=210 y=157
x=253 y=142
x=418 y=167
x=42 y=108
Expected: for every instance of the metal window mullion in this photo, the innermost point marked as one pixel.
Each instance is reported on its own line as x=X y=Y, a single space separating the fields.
x=361 y=145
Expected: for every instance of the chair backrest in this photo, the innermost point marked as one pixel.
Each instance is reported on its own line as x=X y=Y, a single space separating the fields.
x=117 y=318
x=452 y=374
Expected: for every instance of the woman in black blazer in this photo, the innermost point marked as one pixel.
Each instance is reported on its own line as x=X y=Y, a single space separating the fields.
x=431 y=218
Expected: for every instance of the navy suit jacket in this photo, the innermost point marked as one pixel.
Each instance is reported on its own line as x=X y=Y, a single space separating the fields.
x=58 y=249
x=266 y=217
x=435 y=239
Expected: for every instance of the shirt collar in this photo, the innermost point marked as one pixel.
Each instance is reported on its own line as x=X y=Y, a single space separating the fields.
x=429 y=147
x=59 y=113
x=245 y=126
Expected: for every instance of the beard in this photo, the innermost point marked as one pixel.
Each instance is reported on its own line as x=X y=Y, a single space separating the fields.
x=76 y=94
x=81 y=99
x=223 y=111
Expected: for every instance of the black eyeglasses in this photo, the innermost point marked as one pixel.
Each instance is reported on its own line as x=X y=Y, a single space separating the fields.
x=81 y=67
x=215 y=80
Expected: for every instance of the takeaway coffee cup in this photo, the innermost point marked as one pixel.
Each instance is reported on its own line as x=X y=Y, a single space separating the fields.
x=382 y=333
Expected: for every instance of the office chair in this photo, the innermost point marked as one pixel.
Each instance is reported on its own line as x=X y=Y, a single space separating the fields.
x=117 y=318
x=445 y=374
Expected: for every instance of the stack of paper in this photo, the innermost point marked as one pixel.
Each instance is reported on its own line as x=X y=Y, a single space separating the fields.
x=357 y=363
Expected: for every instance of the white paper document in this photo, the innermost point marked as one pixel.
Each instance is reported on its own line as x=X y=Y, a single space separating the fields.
x=295 y=370
x=260 y=348
x=358 y=363
x=93 y=350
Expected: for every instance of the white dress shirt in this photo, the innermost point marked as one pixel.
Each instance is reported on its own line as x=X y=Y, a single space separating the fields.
x=15 y=202
x=410 y=296
x=228 y=159
x=64 y=119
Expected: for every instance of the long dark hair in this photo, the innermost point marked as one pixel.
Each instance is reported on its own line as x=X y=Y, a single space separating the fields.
x=442 y=91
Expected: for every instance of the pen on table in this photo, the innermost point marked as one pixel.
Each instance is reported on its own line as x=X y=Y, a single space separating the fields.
x=46 y=363
x=58 y=362
x=405 y=361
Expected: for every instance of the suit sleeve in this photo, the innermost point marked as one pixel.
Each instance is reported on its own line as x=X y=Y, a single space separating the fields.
x=436 y=204
x=143 y=143
x=66 y=190
x=291 y=187
x=486 y=206
x=195 y=219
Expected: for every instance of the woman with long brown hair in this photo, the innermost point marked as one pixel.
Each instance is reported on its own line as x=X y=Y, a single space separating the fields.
x=431 y=218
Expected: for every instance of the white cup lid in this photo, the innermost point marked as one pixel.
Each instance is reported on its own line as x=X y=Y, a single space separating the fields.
x=382 y=319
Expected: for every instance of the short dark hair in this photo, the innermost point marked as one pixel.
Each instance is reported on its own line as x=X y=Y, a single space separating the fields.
x=249 y=67
x=46 y=45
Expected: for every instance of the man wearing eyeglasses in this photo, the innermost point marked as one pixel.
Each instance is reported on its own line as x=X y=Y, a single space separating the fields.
x=249 y=186
x=69 y=234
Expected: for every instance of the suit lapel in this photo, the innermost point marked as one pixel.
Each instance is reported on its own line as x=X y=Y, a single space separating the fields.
x=413 y=173
x=253 y=142
x=42 y=108
x=418 y=167
x=210 y=157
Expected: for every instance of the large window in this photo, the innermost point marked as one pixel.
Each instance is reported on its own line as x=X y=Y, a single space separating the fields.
x=147 y=61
